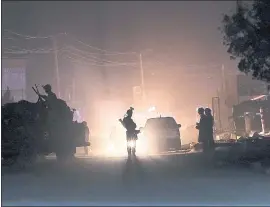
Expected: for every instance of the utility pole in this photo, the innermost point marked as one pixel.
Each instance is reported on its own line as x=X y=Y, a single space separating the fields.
x=142 y=78
x=56 y=66
x=73 y=89
x=223 y=79
x=216 y=112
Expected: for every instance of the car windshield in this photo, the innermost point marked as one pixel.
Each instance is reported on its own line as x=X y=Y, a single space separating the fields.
x=167 y=122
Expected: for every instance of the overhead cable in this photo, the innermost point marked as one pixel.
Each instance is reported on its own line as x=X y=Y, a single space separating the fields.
x=93 y=64
x=97 y=58
x=33 y=37
x=105 y=52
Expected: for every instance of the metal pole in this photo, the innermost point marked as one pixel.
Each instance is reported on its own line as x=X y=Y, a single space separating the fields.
x=73 y=90
x=223 y=79
x=142 y=78
x=216 y=113
x=56 y=66
x=219 y=118
x=262 y=119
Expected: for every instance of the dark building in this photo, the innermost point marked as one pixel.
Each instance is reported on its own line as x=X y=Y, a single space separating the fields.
x=14 y=77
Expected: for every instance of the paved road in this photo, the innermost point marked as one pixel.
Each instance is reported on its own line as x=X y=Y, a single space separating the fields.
x=155 y=180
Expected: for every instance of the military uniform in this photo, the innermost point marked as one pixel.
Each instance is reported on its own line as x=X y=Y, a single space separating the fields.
x=130 y=127
x=131 y=133
x=209 y=129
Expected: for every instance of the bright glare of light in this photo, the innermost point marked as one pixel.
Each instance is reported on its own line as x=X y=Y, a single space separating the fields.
x=114 y=134
x=131 y=144
x=113 y=151
x=152 y=108
x=118 y=148
x=111 y=148
x=143 y=146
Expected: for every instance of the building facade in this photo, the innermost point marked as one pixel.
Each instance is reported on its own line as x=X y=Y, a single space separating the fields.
x=14 y=77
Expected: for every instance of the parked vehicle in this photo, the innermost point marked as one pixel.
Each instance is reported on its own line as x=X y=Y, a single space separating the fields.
x=162 y=134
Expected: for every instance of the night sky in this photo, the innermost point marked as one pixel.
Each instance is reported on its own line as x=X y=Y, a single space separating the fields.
x=180 y=33
x=186 y=30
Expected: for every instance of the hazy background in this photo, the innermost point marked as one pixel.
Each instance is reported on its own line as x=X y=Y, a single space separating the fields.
x=180 y=42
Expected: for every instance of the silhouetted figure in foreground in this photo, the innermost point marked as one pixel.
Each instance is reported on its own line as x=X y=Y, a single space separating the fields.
x=209 y=129
x=131 y=132
x=202 y=127
x=50 y=98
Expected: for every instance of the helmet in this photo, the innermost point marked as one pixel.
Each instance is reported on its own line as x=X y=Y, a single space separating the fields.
x=130 y=111
x=208 y=110
x=200 y=110
x=47 y=87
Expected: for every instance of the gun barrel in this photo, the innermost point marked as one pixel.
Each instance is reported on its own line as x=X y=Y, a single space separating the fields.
x=121 y=121
x=35 y=90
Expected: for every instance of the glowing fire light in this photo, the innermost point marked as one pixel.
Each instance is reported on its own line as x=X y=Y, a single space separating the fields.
x=131 y=144
x=114 y=134
x=151 y=109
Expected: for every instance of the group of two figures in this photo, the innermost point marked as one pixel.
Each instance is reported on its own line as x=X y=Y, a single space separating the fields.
x=205 y=127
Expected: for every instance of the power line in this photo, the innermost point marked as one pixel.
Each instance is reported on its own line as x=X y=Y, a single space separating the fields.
x=96 y=58
x=65 y=48
x=81 y=57
x=106 y=52
x=90 y=53
x=100 y=64
x=97 y=63
x=33 y=37
x=91 y=63
x=31 y=50
x=91 y=58
x=28 y=51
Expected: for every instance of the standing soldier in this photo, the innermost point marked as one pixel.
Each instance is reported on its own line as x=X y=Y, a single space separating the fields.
x=209 y=128
x=131 y=132
x=202 y=127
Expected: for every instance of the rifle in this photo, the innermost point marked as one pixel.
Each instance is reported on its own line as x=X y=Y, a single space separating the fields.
x=37 y=92
x=122 y=122
x=136 y=131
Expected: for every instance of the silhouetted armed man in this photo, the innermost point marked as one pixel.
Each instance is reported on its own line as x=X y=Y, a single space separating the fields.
x=209 y=129
x=50 y=98
x=130 y=125
x=202 y=127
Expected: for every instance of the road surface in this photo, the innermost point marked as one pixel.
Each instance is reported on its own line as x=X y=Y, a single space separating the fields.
x=152 y=180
